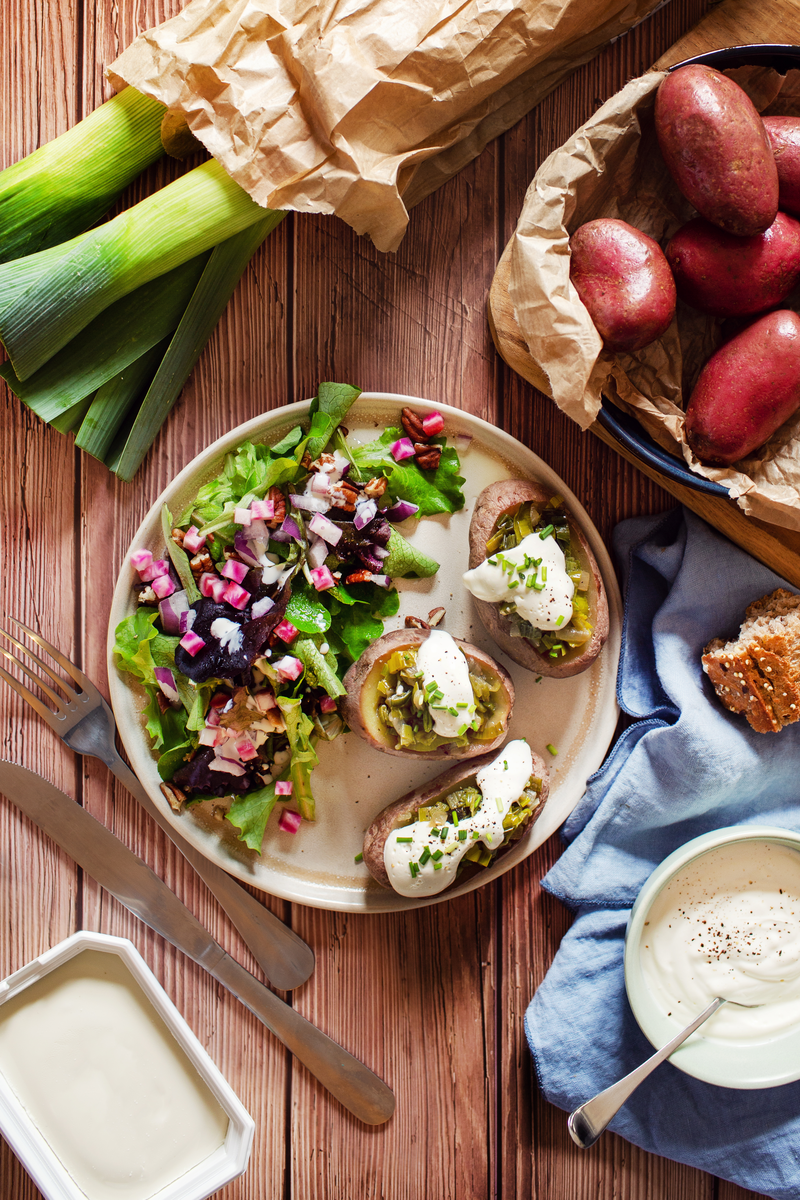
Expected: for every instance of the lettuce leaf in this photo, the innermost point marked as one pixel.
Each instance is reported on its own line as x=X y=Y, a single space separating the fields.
x=306 y=610
x=434 y=492
x=249 y=814
x=406 y=560
x=328 y=409
x=320 y=668
x=299 y=728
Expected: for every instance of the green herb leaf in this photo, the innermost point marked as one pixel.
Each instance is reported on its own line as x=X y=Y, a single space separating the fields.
x=328 y=409
x=434 y=492
x=406 y=560
x=306 y=610
x=299 y=728
x=250 y=814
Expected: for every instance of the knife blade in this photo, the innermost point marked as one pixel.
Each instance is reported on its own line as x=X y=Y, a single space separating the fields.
x=127 y=877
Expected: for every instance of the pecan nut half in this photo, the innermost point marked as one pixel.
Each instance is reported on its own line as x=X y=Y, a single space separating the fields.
x=412 y=423
x=427 y=458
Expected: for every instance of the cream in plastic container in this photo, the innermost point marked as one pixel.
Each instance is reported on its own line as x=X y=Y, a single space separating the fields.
x=105 y=1092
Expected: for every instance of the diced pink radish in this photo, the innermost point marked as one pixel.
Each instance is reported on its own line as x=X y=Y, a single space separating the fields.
x=286 y=631
x=262 y=606
x=242 y=516
x=325 y=529
x=246 y=749
x=191 y=643
x=288 y=668
x=163 y=586
x=263 y=510
x=193 y=540
x=211 y=735
x=141 y=559
x=206 y=583
x=433 y=424
x=158 y=566
x=283 y=787
x=327 y=704
x=322 y=579
x=290 y=821
x=234 y=570
x=218 y=589
x=402 y=448
x=264 y=701
x=236 y=596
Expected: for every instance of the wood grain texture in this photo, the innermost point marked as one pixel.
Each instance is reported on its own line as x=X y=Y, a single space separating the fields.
x=432 y=1000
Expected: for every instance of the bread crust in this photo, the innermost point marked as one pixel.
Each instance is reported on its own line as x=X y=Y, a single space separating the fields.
x=396 y=813
x=493 y=502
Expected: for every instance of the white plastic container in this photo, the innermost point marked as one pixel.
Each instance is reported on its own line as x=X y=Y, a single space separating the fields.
x=98 y=1071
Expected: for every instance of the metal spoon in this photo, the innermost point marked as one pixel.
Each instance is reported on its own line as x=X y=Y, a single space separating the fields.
x=586 y=1123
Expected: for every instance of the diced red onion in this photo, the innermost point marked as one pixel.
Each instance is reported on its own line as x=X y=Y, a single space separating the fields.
x=288 y=668
x=227 y=766
x=290 y=821
x=242 y=516
x=320 y=483
x=193 y=540
x=365 y=511
x=262 y=607
x=211 y=735
x=166 y=682
x=462 y=442
x=399 y=511
x=402 y=448
x=140 y=559
x=242 y=546
x=263 y=510
x=291 y=528
x=312 y=504
x=170 y=610
x=379 y=551
x=327 y=704
x=236 y=596
x=246 y=750
x=163 y=586
x=325 y=529
x=258 y=532
x=265 y=701
x=234 y=570
x=322 y=579
x=158 y=566
x=283 y=787
x=286 y=631
x=381 y=580
x=433 y=423
x=191 y=643
x=317 y=552
x=186 y=620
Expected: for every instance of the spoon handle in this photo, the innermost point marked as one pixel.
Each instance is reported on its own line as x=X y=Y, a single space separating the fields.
x=588 y=1122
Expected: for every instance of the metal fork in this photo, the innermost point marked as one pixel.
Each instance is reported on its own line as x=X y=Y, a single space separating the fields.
x=84 y=722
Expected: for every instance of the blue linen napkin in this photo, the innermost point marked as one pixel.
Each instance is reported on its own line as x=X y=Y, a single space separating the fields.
x=686 y=766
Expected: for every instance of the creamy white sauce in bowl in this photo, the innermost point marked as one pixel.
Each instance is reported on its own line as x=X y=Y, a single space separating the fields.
x=721 y=917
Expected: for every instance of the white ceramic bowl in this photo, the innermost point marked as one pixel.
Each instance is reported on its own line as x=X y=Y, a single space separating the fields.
x=760 y=1063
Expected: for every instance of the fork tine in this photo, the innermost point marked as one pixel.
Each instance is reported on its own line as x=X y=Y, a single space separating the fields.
x=44 y=712
x=48 y=691
x=62 y=660
x=48 y=670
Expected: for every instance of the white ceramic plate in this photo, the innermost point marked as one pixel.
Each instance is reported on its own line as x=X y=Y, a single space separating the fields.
x=766 y=1060
x=353 y=782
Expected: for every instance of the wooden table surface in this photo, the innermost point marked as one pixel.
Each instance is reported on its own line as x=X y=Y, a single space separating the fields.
x=432 y=1000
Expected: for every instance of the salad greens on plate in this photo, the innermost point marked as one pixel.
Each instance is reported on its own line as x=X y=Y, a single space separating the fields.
x=271 y=584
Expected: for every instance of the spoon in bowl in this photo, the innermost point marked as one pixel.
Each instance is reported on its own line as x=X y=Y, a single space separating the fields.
x=586 y=1123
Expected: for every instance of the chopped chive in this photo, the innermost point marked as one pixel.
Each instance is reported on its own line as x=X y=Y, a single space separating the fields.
x=437 y=866
x=551 y=749
x=544 y=574
x=548 y=529
x=539 y=587
x=443 y=833
x=462 y=835
x=513 y=583
x=405 y=839
x=359 y=858
x=462 y=729
x=437 y=854
x=455 y=817
x=530 y=581
x=414 y=869
x=475 y=835
x=423 y=858
x=435 y=832
x=453 y=711
x=462 y=704
x=560 y=620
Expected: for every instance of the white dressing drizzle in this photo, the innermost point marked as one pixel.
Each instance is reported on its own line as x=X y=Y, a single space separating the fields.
x=516 y=575
x=501 y=782
x=444 y=664
x=728 y=925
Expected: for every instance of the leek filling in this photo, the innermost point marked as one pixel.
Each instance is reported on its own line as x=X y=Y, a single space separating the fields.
x=404 y=705
x=516 y=524
x=461 y=804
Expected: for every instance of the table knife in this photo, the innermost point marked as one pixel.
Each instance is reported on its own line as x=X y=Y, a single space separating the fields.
x=128 y=878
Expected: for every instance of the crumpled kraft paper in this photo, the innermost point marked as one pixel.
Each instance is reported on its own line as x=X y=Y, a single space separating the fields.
x=362 y=107
x=612 y=167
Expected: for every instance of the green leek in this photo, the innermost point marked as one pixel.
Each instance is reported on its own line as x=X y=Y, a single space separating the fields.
x=114 y=400
x=47 y=298
x=71 y=419
x=67 y=185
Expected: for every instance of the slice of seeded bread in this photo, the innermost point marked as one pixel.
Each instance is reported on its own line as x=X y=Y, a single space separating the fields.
x=759 y=673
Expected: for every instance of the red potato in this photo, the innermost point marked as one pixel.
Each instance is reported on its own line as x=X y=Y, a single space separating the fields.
x=624 y=282
x=717 y=150
x=784 y=136
x=728 y=276
x=746 y=390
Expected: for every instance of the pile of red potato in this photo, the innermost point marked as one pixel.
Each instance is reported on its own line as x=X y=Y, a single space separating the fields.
x=739 y=258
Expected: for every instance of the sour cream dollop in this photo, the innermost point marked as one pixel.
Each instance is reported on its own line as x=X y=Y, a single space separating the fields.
x=728 y=925
x=444 y=664
x=500 y=782
x=517 y=576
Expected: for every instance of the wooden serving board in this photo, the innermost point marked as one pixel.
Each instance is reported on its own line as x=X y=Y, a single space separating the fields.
x=732 y=23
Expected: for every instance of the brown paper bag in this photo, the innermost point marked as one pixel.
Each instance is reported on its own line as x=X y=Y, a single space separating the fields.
x=362 y=107
x=612 y=167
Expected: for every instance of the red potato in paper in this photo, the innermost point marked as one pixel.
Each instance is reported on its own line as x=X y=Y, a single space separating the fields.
x=746 y=390
x=623 y=281
x=784 y=136
x=728 y=276
x=716 y=148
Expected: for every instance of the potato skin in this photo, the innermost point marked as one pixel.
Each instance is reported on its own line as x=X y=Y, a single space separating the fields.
x=623 y=281
x=728 y=276
x=746 y=390
x=784 y=136
x=716 y=148
x=493 y=501
x=398 y=811
x=364 y=674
